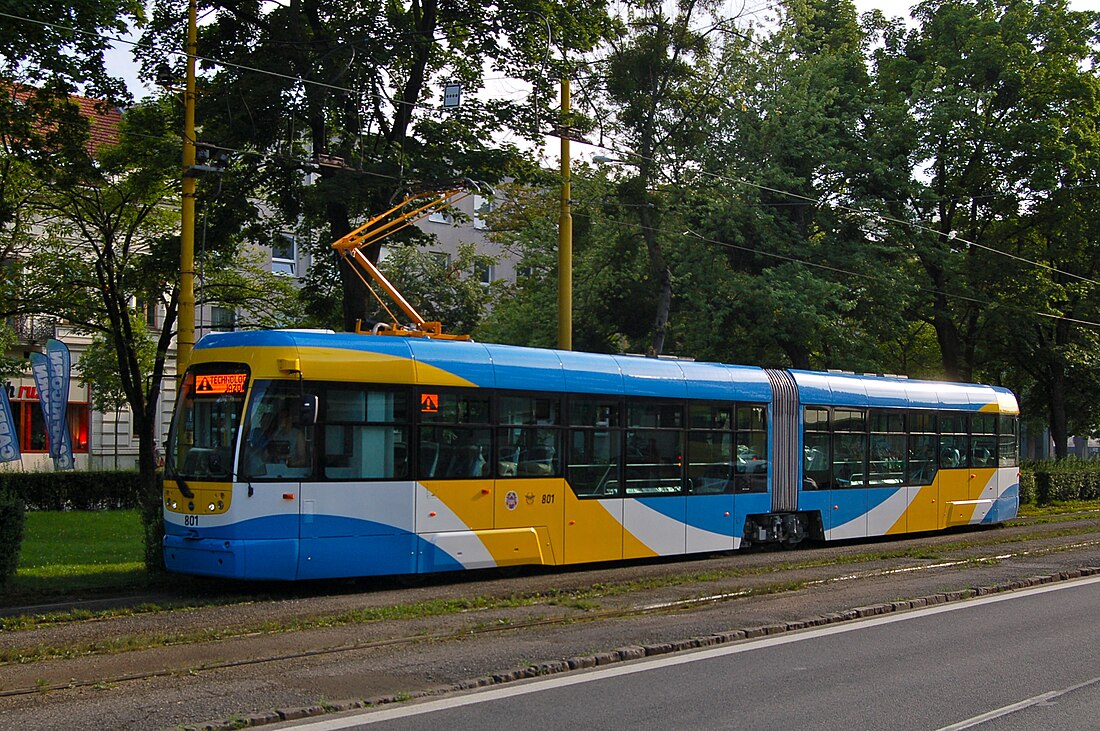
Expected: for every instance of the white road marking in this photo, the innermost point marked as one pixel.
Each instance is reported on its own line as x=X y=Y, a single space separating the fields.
x=512 y=690
x=1010 y=709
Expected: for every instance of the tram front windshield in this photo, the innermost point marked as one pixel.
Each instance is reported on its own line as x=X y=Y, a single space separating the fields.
x=206 y=422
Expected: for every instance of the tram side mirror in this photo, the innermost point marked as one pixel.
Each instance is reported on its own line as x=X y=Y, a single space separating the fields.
x=307 y=415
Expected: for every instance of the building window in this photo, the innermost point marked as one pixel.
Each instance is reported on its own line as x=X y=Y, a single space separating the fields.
x=441 y=258
x=440 y=217
x=284 y=254
x=223 y=319
x=149 y=311
x=482 y=208
x=484 y=274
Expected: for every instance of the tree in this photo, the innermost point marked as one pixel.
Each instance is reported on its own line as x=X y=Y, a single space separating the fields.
x=109 y=230
x=656 y=82
x=444 y=291
x=808 y=278
x=99 y=372
x=992 y=87
x=347 y=115
x=48 y=51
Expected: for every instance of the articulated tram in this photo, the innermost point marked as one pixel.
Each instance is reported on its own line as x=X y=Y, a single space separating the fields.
x=308 y=455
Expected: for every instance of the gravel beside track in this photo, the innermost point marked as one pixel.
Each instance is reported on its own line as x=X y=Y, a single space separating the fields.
x=310 y=650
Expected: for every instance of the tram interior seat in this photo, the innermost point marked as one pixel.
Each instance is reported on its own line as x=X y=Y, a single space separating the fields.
x=464 y=461
x=982 y=457
x=536 y=462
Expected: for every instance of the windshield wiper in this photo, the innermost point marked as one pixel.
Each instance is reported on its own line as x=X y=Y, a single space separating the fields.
x=184 y=488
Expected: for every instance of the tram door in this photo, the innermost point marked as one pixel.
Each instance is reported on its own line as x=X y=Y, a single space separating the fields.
x=356 y=513
x=593 y=529
x=654 y=509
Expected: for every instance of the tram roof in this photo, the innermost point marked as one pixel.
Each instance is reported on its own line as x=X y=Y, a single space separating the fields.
x=341 y=356
x=849 y=389
x=328 y=355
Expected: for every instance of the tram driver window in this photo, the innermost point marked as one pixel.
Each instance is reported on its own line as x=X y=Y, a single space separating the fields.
x=276 y=444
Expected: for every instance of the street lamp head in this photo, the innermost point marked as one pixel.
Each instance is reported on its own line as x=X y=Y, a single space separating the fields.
x=164 y=75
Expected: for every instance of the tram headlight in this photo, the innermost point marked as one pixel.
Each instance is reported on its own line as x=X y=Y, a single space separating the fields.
x=221 y=505
x=173 y=504
x=210 y=507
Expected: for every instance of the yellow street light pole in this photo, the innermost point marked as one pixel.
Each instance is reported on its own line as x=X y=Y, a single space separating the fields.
x=565 y=233
x=185 y=331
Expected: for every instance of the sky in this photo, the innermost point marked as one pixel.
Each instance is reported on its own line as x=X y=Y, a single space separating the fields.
x=120 y=61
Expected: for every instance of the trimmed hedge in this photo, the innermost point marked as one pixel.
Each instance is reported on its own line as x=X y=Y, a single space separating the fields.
x=1060 y=481
x=12 y=518
x=74 y=490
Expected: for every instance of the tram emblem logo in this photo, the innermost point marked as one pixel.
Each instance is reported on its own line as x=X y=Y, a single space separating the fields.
x=511 y=500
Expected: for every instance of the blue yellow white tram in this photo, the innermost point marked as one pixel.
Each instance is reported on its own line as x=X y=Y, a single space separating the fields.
x=304 y=455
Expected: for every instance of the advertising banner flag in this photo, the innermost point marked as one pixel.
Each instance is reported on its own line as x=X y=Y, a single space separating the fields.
x=9 y=442
x=51 y=374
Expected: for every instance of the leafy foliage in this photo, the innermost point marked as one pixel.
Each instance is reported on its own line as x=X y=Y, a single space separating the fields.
x=12 y=518
x=352 y=119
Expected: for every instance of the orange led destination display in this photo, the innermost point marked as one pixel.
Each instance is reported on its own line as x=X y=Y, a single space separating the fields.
x=213 y=384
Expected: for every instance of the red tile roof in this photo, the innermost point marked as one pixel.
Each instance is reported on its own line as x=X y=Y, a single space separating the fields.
x=103 y=119
x=104 y=122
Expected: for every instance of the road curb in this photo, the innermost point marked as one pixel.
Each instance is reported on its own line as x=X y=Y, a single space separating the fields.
x=635 y=652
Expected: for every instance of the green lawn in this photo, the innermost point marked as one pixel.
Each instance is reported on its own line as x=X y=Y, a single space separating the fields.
x=78 y=550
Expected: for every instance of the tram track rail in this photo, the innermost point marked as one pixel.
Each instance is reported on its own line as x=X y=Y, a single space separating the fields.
x=171 y=601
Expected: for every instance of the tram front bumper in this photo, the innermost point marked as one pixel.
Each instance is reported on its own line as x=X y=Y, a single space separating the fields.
x=232 y=559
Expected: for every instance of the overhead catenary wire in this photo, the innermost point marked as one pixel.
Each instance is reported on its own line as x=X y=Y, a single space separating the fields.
x=730 y=179
x=951 y=236
x=861 y=275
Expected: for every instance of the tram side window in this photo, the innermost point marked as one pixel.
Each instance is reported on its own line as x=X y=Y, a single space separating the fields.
x=1007 y=441
x=528 y=437
x=849 y=448
x=594 y=468
x=454 y=439
x=365 y=434
x=887 y=456
x=817 y=458
x=711 y=450
x=983 y=440
x=922 y=448
x=752 y=448
x=654 y=448
x=954 y=441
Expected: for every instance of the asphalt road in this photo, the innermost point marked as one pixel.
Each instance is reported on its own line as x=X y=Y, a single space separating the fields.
x=1022 y=660
x=292 y=651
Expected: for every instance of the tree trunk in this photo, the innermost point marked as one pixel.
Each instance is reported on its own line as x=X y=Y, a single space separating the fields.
x=1058 y=423
x=663 y=276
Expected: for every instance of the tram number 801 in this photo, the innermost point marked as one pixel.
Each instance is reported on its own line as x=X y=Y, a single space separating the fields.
x=548 y=499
